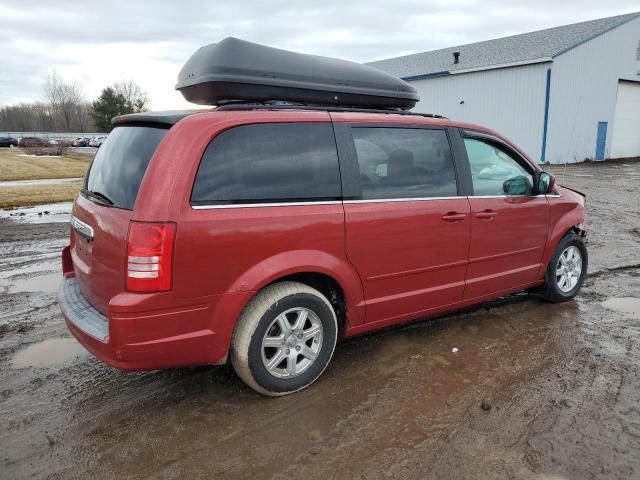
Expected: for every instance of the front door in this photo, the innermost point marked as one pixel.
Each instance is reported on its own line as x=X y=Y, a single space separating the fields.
x=408 y=233
x=509 y=222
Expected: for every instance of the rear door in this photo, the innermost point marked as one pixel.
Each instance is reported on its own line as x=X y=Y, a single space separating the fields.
x=509 y=222
x=264 y=194
x=102 y=211
x=407 y=229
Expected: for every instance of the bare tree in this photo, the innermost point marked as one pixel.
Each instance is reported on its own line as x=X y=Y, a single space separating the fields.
x=26 y=117
x=83 y=118
x=63 y=98
x=42 y=117
x=136 y=98
x=39 y=117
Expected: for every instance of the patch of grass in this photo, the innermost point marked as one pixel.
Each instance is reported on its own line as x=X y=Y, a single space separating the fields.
x=11 y=197
x=15 y=166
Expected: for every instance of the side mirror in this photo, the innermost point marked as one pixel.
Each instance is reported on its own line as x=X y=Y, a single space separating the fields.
x=546 y=183
x=519 y=185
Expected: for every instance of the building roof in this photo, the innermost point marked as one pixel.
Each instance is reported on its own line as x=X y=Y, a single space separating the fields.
x=543 y=45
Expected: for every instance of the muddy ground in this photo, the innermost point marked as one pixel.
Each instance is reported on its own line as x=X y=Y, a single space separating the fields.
x=535 y=391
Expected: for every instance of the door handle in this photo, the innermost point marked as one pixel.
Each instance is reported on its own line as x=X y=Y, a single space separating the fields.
x=487 y=215
x=453 y=217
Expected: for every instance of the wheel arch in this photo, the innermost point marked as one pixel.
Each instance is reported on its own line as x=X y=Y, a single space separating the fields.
x=555 y=289
x=561 y=230
x=333 y=276
x=326 y=285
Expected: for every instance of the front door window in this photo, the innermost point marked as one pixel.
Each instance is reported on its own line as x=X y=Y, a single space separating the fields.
x=494 y=172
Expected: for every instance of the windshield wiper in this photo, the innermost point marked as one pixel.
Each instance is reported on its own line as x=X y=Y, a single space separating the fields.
x=101 y=197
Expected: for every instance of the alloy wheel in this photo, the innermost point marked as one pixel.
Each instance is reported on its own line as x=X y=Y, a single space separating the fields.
x=292 y=342
x=569 y=269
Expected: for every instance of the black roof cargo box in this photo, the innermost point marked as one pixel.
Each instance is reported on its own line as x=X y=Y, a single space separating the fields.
x=236 y=70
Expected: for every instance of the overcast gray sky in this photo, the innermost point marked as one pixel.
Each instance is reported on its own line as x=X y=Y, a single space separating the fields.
x=100 y=42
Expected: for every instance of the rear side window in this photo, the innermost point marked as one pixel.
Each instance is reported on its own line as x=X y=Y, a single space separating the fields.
x=404 y=163
x=273 y=162
x=116 y=171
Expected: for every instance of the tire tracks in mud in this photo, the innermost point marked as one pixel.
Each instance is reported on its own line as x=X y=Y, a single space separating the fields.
x=612 y=270
x=574 y=414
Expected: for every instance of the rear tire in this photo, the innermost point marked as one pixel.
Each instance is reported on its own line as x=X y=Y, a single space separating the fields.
x=566 y=270
x=284 y=338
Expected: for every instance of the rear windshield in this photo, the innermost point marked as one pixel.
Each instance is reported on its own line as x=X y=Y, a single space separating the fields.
x=117 y=169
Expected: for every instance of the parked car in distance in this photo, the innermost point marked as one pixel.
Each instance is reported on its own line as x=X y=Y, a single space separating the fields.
x=32 y=142
x=8 y=142
x=97 y=141
x=80 y=142
x=264 y=235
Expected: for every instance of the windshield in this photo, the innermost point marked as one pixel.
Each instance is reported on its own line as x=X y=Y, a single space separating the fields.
x=119 y=166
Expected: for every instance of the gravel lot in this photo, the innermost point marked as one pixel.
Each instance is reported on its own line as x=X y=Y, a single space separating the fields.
x=535 y=391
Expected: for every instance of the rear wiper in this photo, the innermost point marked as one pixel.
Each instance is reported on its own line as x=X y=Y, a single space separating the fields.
x=101 y=197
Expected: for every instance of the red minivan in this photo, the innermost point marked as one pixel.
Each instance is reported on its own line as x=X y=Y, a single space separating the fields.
x=262 y=234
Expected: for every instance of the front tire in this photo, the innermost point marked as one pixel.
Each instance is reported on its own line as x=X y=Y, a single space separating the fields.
x=566 y=270
x=284 y=338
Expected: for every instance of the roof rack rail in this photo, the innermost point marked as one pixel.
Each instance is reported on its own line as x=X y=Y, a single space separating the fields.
x=239 y=106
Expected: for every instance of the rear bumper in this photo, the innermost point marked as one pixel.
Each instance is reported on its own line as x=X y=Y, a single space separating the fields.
x=144 y=333
x=79 y=312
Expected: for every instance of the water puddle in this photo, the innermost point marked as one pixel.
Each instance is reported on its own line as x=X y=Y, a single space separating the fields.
x=42 y=283
x=49 y=213
x=43 y=263
x=49 y=353
x=628 y=305
x=40 y=181
x=42 y=276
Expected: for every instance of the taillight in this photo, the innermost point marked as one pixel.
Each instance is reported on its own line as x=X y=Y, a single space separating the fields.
x=150 y=256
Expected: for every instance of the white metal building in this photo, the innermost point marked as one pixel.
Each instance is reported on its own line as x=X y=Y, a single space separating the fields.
x=567 y=93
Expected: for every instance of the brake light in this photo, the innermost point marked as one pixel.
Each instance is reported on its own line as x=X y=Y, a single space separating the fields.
x=150 y=256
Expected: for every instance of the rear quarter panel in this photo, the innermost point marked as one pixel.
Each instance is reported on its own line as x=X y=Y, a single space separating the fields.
x=233 y=250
